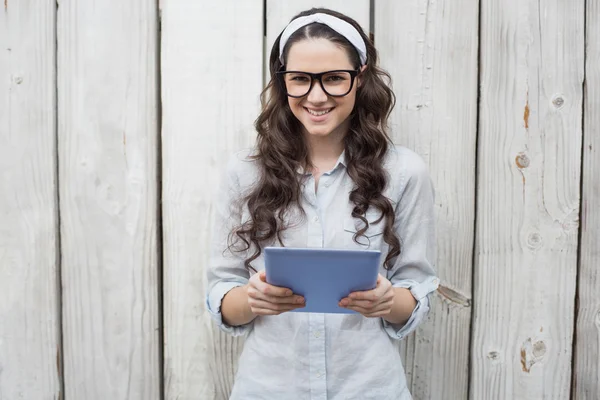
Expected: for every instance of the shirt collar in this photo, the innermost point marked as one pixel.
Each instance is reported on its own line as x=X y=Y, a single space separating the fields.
x=341 y=161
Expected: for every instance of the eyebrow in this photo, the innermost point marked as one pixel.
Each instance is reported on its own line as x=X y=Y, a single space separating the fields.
x=320 y=72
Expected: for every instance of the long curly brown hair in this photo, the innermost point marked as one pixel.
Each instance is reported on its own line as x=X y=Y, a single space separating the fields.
x=281 y=149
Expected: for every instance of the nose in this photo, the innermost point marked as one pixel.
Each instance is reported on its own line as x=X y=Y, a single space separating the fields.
x=316 y=93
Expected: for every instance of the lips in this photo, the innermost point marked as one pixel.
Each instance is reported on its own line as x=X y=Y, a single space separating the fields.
x=318 y=115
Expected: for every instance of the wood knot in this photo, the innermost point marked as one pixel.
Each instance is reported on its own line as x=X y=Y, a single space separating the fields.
x=558 y=101
x=531 y=353
x=522 y=160
x=534 y=240
x=571 y=222
x=453 y=296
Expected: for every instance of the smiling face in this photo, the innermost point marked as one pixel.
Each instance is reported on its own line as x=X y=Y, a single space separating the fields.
x=321 y=115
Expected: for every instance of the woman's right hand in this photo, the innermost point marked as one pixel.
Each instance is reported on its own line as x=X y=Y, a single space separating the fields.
x=266 y=299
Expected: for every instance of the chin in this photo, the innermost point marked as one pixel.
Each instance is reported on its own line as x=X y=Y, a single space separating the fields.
x=318 y=131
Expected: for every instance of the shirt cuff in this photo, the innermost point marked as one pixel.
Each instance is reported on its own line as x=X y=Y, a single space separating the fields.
x=214 y=300
x=421 y=292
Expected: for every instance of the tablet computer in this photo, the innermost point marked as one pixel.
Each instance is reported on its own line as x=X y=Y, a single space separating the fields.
x=322 y=276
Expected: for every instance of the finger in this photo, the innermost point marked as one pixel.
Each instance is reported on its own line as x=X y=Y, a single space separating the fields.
x=265 y=311
x=262 y=286
x=383 y=309
x=381 y=291
x=261 y=304
x=366 y=304
x=383 y=286
x=256 y=294
x=366 y=295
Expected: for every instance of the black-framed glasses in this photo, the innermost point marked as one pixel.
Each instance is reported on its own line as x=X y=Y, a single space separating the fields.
x=336 y=83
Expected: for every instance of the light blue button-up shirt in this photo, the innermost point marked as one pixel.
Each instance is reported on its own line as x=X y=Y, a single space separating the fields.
x=314 y=356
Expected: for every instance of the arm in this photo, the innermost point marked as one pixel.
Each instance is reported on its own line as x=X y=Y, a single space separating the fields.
x=402 y=308
x=244 y=303
x=226 y=273
x=234 y=298
x=235 y=308
x=402 y=299
x=412 y=276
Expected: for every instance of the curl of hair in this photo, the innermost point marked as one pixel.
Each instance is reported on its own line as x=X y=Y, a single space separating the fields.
x=281 y=150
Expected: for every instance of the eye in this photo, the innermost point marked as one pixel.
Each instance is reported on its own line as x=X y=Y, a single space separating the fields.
x=335 y=77
x=298 y=78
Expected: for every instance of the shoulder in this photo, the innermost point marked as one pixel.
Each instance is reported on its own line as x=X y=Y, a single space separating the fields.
x=403 y=164
x=242 y=167
x=408 y=175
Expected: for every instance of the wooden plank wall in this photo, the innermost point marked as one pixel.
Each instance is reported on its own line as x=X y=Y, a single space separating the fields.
x=108 y=164
x=586 y=366
x=211 y=80
x=116 y=119
x=430 y=49
x=529 y=160
x=29 y=308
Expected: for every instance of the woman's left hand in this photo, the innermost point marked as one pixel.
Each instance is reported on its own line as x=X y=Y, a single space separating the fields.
x=371 y=303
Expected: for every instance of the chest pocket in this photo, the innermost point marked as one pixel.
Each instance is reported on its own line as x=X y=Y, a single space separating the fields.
x=373 y=236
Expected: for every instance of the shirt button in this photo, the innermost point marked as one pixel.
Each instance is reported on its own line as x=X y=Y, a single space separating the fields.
x=316 y=219
x=317 y=334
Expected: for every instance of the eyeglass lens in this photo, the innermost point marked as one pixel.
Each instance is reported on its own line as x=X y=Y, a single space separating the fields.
x=335 y=83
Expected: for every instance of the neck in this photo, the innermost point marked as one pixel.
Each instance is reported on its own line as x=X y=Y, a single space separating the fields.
x=324 y=151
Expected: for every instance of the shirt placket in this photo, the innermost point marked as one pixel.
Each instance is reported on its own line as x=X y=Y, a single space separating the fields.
x=316 y=325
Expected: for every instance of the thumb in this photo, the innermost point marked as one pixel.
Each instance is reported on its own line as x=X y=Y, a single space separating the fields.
x=263 y=276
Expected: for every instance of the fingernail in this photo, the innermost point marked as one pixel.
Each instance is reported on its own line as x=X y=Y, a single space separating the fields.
x=299 y=300
x=288 y=293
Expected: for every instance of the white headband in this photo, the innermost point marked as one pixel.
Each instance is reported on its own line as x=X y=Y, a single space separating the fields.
x=340 y=26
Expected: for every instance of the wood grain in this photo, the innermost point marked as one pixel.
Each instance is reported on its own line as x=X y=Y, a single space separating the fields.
x=107 y=148
x=30 y=354
x=430 y=50
x=211 y=81
x=530 y=138
x=586 y=366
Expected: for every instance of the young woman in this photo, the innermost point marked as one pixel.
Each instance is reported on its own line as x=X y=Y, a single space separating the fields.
x=323 y=174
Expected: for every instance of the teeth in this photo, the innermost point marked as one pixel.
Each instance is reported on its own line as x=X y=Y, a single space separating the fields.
x=317 y=113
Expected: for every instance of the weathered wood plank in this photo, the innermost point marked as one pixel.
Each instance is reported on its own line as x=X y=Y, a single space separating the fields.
x=107 y=146
x=29 y=310
x=211 y=81
x=586 y=368
x=430 y=49
x=530 y=138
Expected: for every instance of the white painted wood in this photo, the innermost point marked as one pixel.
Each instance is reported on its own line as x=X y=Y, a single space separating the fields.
x=530 y=137
x=29 y=306
x=586 y=367
x=107 y=148
x=211 y=81
x=430 y=50
x=279 y=13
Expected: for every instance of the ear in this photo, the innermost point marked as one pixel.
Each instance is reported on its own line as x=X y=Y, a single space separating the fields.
x=359 y=81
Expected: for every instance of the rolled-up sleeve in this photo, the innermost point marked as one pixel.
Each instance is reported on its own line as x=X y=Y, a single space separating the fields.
x=415 y=226
x=225 y=269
